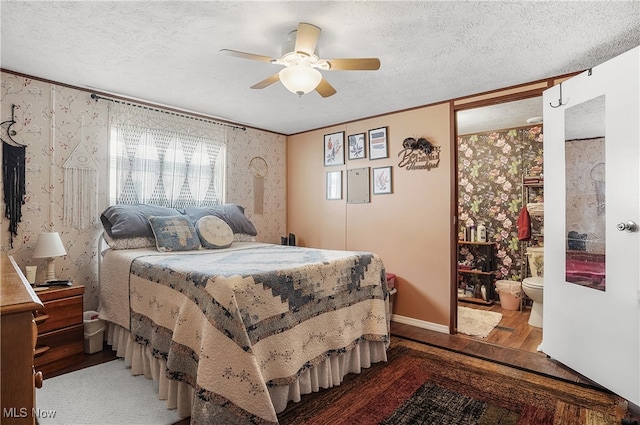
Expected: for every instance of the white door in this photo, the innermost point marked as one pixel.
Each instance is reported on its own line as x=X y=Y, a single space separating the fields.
x=591 y=319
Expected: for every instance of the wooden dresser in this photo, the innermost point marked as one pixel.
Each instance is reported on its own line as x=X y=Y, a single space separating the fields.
x=60 y=329
x=18 y=302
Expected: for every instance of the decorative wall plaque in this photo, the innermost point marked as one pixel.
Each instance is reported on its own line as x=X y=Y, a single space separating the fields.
x=419 y=154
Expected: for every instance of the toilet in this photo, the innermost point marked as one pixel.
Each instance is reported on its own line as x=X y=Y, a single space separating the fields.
x=533 y=286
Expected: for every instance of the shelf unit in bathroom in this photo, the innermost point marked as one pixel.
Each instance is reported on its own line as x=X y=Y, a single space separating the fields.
x=531 y=185
x=478 y=274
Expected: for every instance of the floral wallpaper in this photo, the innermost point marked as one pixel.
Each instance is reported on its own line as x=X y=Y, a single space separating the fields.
x=52 y=120
x=490 y=171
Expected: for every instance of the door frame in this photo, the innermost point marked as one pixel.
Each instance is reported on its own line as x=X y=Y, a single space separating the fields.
x=505 y=95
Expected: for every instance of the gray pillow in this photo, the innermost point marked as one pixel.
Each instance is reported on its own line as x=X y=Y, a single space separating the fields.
x=232 y=214
x=132 y=220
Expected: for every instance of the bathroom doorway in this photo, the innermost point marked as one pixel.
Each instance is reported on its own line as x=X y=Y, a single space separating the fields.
x=499 y=171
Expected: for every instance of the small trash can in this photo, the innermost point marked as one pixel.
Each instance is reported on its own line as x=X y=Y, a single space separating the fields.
x=93 y=332
x=510 y=292
x=391 y=281
x=391 y=287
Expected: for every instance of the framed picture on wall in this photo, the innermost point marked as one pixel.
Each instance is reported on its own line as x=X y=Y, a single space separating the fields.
x=382 y=180
x=334 y=185
x=378 y=147
x=334 y=149
x=357 y=146
x=358 y=185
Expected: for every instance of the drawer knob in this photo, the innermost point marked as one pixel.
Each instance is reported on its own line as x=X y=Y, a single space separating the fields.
x=41 y=318
x=37 y=379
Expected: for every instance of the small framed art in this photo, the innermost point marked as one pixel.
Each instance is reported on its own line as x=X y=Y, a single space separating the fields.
x=334 y=149
x=381 y=180
x=357 y=145
x=358 y=185
x=378 y=147
x=334 y=185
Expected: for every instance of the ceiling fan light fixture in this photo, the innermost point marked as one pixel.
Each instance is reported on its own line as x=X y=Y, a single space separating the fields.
x=302 y=63
x=300 y=78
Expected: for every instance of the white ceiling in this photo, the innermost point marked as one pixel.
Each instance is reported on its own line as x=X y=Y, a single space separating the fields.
x=500 y=116
x=168 y=52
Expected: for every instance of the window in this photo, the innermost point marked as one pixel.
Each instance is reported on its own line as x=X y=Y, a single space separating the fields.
x=163 y=159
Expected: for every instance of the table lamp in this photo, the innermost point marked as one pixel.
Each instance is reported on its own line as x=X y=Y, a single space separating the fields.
x=49 y=245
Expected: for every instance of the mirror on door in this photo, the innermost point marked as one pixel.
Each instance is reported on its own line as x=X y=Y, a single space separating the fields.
x=585 y=193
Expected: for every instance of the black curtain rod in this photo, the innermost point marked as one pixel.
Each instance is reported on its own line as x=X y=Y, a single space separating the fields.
x=96 y=98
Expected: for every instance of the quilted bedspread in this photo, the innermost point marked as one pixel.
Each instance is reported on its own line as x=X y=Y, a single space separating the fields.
x=233 y=323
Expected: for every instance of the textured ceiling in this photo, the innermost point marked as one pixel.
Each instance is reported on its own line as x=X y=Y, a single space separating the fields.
x=168 y=52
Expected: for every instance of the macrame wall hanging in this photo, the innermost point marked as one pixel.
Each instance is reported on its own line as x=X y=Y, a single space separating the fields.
x=13 y=175
x=259 y=170
x=80 y=185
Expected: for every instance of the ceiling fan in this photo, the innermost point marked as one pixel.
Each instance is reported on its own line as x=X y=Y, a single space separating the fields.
x=301 y=63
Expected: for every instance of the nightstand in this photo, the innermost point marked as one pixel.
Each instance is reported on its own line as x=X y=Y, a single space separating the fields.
x=60 y=329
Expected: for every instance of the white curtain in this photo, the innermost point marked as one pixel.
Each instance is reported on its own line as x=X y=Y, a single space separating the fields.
x=165 y=159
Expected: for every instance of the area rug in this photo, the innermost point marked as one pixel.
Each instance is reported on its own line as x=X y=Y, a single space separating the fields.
x=421 y=384
x=475 y=322
x=102 y=394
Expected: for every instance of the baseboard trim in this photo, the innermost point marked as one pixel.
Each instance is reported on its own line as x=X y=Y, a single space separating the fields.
x=420 y=323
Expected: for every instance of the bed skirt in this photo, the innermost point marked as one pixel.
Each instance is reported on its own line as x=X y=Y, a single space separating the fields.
x=179 y=395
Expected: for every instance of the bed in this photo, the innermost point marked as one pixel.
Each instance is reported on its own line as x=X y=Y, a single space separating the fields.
x=233 y=334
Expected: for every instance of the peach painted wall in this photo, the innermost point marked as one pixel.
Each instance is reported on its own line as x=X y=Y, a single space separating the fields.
x=409 y=229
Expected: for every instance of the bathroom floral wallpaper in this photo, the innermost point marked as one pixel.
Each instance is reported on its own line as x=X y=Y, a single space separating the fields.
x=52 y=120
x=490 y=170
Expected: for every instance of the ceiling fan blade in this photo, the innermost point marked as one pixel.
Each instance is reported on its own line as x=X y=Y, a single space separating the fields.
x=267 y=81
x=354 y=64
x=244 y=55
x=325 y=89
x=307 y=38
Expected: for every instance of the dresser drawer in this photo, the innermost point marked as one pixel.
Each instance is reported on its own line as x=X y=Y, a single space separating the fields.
x=59 y=314
x=63 y=347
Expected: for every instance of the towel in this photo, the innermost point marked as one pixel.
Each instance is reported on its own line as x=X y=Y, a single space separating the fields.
x=536 y=208
x=524 y=225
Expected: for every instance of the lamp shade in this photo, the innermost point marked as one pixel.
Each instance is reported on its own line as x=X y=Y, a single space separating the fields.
x=49 y=245
x=300 y=78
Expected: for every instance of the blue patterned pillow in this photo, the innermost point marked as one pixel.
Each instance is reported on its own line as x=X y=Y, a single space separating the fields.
x=174 y=233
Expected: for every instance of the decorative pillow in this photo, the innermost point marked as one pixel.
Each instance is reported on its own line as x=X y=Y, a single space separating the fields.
x=129 y=243
x=214 y=232
x=232 y=214
x=175 y=233
x=132 y=220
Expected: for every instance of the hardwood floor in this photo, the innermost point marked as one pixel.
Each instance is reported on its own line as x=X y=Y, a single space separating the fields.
x=89 y=360
x=519 y=354
x=513 y=342
x=514 y=330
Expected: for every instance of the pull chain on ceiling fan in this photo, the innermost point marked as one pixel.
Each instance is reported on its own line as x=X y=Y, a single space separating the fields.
x=301 y=63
